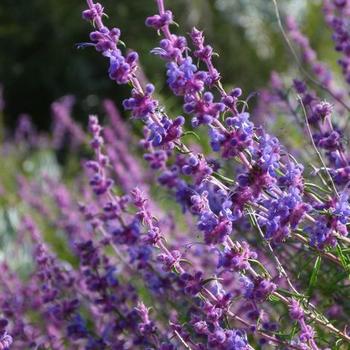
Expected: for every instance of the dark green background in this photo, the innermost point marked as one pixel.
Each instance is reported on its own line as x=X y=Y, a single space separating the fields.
x=39 y=61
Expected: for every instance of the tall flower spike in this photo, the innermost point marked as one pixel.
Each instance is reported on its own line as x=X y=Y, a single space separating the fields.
x=191 y=174
x=121 y=68
x=5 y=339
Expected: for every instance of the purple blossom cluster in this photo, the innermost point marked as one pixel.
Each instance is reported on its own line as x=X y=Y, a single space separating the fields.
x=337 y=17
x=250 y=248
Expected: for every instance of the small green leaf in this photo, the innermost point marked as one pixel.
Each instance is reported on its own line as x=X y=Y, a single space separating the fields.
x=122 y=43
x=252 y=219
x=295 y=295
x=224 y=178
x=273 y=298
x=191 y=133
x=344 y=259
x=182 y=151
x=294 y=330
x=261 y=266
x=308 y=184
x=186 y=261
x=314 y=276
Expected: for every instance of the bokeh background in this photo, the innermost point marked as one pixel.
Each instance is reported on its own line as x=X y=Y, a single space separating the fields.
x=40 y=62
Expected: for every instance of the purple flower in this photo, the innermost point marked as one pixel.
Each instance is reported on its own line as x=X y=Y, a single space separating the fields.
x=141 y=105
x=171 y=50
x=236 y=259
x=292 y=177
x=329 y=141
x=129 y=234
x=146 y=327
x=341 y=175
x=121 y=69
x=192 y=284
x=342 y=207
x=156 y=159
x=247 y=286
x=96 y=11
x=76 y=329
x=263 y=288
x=204 y=53
x=268 y=154
x=197 y=167
x=284 y=214
x=320 y=233
x=105 y=40
x=205 y=110
x=236 y=340
x=336 y=16
x=88 y=254
x=5 y=339
x=215 y=229
x=169 y=260
x=165 y=132
x=141 y=254
x=99 y=182
x=217 y=338
x=212 y=313
x=309 y=55
x=201 y=327
x=295 y=311
x=159 y=21
x=323 y=109
x=184 y=79
x=239 y=138
x=25 y=130
x=257 y=289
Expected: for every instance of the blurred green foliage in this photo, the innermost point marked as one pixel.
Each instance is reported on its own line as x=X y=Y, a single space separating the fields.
x=39 y=61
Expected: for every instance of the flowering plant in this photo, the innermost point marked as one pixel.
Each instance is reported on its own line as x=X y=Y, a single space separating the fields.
x=254 y=255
